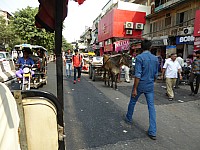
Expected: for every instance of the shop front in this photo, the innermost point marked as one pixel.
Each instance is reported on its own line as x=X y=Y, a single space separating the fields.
x=118 y=27
x=185 y=45
x=159 y=47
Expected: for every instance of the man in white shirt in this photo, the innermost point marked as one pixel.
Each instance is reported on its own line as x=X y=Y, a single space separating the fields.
x=181 y=62
x=171 y=69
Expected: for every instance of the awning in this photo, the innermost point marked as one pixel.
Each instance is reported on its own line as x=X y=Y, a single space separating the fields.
x=45 y=17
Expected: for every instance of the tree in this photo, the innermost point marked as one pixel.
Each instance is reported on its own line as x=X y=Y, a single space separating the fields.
x=65 y=45
x=24 y=26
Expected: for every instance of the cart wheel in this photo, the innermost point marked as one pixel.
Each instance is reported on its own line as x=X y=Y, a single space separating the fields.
x=90 y=72
x=93 y=74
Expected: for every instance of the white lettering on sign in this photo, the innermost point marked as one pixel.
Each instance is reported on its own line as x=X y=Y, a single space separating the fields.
x=186 y=39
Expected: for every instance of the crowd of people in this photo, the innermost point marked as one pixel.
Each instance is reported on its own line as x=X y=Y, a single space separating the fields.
x=146 y=70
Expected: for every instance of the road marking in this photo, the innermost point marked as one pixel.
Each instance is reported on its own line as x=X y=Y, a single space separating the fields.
x=181 y=101
x=125 y=131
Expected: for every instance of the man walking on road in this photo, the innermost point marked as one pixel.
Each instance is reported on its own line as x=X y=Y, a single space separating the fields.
x=170 y=69
x=77 y=60
x=146 y=71
x=181 y=62
x=195 y=73
x=68 y=61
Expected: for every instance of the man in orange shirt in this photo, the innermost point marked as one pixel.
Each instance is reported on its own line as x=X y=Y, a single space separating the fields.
x=76 y=60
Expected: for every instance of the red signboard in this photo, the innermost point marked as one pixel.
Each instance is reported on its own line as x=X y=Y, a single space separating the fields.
x=197 y=43
x=112 y=24
x=197 y=24
x=108 y=48
x=122 y=45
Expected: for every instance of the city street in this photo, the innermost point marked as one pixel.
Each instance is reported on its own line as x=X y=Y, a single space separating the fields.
x=93 y=116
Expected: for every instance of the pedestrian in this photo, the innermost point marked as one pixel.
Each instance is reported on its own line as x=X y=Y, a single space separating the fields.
x=68 y=61
x=170 y=69
x=181 y=62
x=77 y=63
x=195 y=74
x=146 y=71
x=126 y=71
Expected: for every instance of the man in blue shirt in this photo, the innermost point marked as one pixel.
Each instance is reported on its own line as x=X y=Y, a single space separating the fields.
x=146 y=71
x=25 y=60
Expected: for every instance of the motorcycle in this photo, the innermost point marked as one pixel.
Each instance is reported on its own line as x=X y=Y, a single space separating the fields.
x=25 y=82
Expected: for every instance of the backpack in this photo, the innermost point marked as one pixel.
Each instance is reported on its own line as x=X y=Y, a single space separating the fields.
x=80 y=57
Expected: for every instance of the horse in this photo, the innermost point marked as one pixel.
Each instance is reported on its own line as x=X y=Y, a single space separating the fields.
x=112 y=64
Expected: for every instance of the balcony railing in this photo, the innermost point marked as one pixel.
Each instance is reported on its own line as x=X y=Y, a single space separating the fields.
x=172 y=30
x=168 y=4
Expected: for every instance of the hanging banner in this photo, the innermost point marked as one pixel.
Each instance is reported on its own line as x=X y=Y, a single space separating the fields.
x=122 y=45
x=197 y=24
x=197 y=43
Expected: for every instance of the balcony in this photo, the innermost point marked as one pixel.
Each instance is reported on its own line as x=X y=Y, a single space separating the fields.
x=168 y=4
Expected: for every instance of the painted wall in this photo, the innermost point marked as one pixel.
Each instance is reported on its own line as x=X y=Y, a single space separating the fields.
x=112 y=24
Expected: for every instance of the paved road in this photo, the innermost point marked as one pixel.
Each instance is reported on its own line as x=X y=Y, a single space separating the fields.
x=93 y=117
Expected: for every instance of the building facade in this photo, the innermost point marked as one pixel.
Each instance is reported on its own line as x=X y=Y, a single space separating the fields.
x=172 y=26
x=120 y=25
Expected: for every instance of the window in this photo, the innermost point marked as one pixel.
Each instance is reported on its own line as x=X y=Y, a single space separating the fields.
x=151 y=27
x=168 y=21
x=180 y=18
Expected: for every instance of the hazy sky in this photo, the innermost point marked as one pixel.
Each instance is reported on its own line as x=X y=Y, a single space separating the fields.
x=79 y=16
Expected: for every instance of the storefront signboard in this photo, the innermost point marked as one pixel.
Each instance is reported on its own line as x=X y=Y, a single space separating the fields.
x=122 y=45
x=185 y=39
x=157 y=43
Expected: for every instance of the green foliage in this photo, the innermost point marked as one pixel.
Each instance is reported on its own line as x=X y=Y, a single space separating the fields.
x=7 y=36
x=65 y=45
x=21 y=29
x=24 y=26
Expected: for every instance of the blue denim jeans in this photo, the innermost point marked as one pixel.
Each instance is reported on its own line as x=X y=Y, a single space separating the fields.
x=79 y=72
x=68 y=69
x=152 y=113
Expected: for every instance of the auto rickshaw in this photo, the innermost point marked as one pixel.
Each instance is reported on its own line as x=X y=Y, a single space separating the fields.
x=39 y=55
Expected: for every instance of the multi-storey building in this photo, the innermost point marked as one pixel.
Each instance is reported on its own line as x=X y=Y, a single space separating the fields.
x=5 y=15
x=172 y=26
x=121 y=23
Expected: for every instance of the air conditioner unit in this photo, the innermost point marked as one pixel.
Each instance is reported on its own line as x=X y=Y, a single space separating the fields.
x=180 y=31
x=129 y=32
x=139 y=26
x=128 y=25
x=188 y=30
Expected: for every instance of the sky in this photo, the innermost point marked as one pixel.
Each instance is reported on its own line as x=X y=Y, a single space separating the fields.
x=79 y=16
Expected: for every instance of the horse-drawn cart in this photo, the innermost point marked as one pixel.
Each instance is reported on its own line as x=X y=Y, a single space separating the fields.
x=96 y=67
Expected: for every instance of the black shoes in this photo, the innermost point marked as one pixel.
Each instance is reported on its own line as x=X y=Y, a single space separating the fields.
x=127 y=121
x=151 y=137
